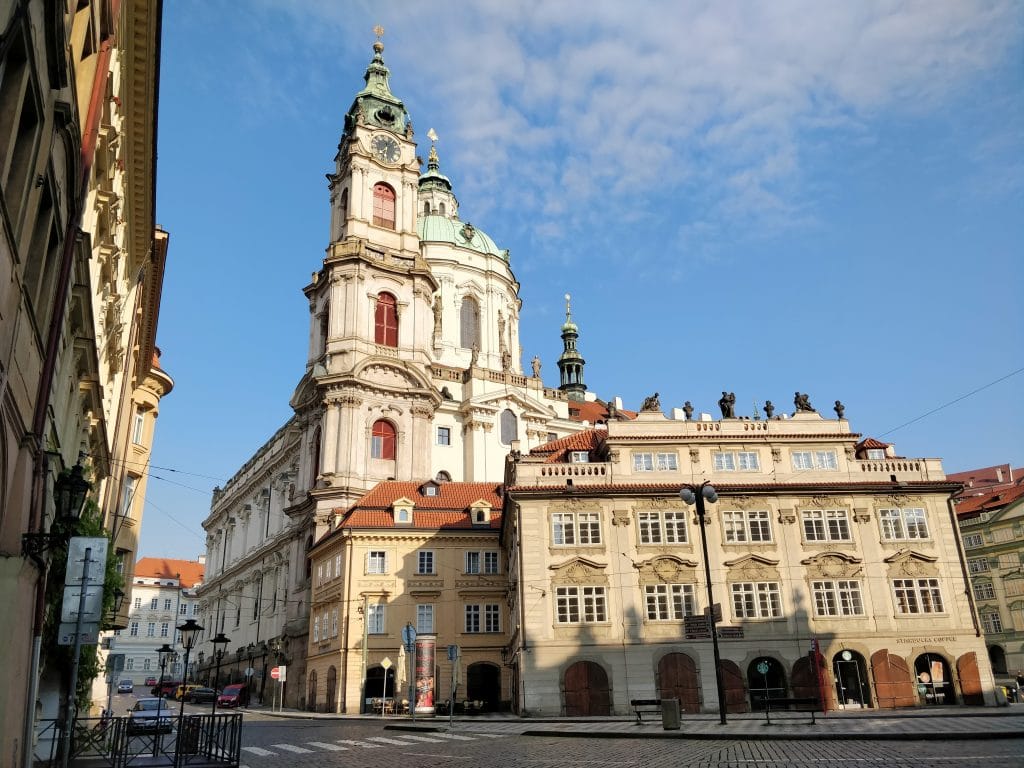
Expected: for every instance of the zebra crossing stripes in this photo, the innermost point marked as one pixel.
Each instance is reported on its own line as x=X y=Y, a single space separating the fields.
x=328 y=747
x=386 y=740
x=292 y=748
x=355 y=743
x=454 y=737
x=428 y=739
x=259 y=751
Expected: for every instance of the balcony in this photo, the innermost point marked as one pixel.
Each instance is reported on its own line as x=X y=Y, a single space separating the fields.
x=557 y=474
x=906 y=470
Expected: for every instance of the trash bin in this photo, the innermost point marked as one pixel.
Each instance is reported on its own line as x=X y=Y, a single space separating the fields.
x=670 y=714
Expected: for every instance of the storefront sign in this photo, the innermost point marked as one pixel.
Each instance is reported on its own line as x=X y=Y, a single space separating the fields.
x=926 y=640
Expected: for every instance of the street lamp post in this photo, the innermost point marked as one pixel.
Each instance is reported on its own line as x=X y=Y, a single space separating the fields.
x=249 y=673
x=691 y=494
x=218 y=654
x=189 y=634
x=164 y=654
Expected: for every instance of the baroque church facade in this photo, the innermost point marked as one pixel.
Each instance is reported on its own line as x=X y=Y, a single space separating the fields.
x=414 y=373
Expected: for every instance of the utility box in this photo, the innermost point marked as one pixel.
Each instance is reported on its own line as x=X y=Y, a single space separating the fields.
x=670 y=720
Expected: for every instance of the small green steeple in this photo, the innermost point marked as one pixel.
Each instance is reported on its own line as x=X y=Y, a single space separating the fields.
x=571 y=362
x=376 y=105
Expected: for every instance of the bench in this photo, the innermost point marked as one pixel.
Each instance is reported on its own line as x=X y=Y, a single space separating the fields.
x=809 y=701
x=641 y=706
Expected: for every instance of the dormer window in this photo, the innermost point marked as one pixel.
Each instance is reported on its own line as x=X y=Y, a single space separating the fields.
x=480 y=513
x=402 y=511
x=579 y=457
x=430 y=488
x=876 y=454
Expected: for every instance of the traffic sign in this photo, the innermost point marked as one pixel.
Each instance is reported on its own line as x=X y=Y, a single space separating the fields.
x=279 y=673
x=409 y=637
x=387 y=663
x=89 y=634
x=453 y=653
x=76 y=559
x=92 y=611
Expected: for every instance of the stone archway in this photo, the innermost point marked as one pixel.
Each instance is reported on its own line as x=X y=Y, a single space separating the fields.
x=852 y=686
x=677 y=679
x=586 y=690
x=894 y=684
x=332 y=688
x=483 y=683
x=311 y=692
x=935 y=679
x=767 y=684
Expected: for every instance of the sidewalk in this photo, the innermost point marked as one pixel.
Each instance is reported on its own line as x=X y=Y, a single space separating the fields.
x=955 y=723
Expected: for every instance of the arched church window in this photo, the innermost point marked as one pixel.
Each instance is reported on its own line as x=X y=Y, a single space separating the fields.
x=314 y=463
x=469 y=323
x=385 y=320
x=440 y=209
x=426 y=209
x=383 y=206
x=443 y=476
x=382 y=440
x=509 y=427
x=343 y=205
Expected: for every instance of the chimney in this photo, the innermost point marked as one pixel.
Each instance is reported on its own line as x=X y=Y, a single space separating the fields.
x=999 y=474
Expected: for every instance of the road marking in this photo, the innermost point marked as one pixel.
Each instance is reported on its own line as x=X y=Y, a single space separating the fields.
x=259 y=752
x=354 y=743
x=291 y=748
x=454 y=736
x=325 y=745
x=386 y=740
x=491 y=735
x=422 y=738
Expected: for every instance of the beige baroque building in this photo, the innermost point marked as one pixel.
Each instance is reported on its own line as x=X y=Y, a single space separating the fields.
x=425 y=554
x=816 y=537
x=81 y=268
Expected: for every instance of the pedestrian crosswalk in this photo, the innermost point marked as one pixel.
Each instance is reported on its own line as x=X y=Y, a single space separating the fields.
x=368 y=742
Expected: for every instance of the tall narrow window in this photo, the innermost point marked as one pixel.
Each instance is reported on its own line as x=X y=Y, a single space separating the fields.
x=383 y=206
x=382 y=442
x=385 y=320
x=509 y=427
x=469 y=323
x=138 y=426
x=128 y=495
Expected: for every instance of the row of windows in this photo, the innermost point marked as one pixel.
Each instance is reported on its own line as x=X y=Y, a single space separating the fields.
x=483 y=561
x=736 y=461
x=750 y=600
x=477 y=618
x=165 y=629
x=739 y=526
x=383 y=435
x=984 y=564
x=146 y=664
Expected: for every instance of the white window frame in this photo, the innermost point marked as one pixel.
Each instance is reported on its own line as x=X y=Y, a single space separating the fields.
x=128 y=495
x=403 y=515
x=425 y=618
x=837 y=598
x=756 y=600
x=643 y=462
x=587 y=604
x=139 y=427
x=826 y=525
x=747 y=526
x=575 y=529
x=151 y=629
x=376 y=615
x=153 y=603
x=984 y=590
x=165 y=629
x=425 y=565
x=133 y=629
x=973 y=540
x=825 y=461
x=876 y=454
x=662 y=527
x=978 y=565
x=736 y=461
x=666 y=461
x=669 y=602
x=991 y=622
x=376 y=561
x=917 y=597
x=904 y=524
x=579 y=457
x=444 y=436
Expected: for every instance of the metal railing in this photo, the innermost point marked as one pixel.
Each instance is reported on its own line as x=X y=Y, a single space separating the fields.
x=196 y=741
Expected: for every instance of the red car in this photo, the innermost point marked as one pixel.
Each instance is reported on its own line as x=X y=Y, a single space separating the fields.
x=233 y=696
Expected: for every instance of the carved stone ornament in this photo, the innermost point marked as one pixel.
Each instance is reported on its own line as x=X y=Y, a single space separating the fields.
x=861 y=515
x=574 y=505
x=908 y=562
x=776 y=455
x=695 y=456
x=621 y=517
x=897 y=500
x=578 y=571
x=745 y=502
x=787 y=516
x=671 y=503
x=832 y=565
x=752 y=568
x=667 y=570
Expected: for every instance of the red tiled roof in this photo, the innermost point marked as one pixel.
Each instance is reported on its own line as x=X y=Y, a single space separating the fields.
x=189 y=572
x=378 y=518
x=988 y=502
x=594 y=411
x=870 y=442
x=588 y=440
x=986 y=476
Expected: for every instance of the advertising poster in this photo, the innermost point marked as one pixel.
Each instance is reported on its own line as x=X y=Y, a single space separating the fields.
x=426 y=648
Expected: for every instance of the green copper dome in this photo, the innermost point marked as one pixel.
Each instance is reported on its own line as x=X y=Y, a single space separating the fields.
x=437 y=228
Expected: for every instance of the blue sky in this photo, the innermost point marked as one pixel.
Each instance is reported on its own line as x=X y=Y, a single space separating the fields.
x=753 y=197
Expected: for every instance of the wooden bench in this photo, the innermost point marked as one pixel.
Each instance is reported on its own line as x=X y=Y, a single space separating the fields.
x=640 y=706
x=809 y=701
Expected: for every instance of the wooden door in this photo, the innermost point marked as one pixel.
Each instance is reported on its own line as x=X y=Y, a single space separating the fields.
x=894 y=685
x=586 y=690
x=970 y=679
x=677 y=679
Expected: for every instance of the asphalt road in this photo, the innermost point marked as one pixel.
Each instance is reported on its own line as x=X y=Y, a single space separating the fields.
x=269 y=741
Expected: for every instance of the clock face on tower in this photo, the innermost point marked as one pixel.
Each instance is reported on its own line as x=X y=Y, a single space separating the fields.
x=385 y=149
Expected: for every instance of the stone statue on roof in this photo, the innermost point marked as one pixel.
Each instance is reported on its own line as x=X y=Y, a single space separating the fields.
x=652 y=403
x=802 y=402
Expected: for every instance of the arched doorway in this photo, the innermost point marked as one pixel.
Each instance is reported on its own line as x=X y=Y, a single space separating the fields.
x=997 y=658
x=483 y=683
x=766 y=679
x=379 y=685
x=677 y=679
x=894 y=685
x=735 y=688
x=853 y=690
x=586 y=690
x=934 y=679
x=807 y=682
x=332 y=688
x=311 y=692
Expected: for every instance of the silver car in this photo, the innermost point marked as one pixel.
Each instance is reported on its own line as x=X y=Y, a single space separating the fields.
x=149 y=715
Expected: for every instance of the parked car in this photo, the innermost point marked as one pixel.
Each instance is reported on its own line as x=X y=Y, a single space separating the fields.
x=200 y=695
x=150 y=715
x=233 y=696
x=125 y=686
x=165 y=689
x=182 y=691
x=150 y=682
